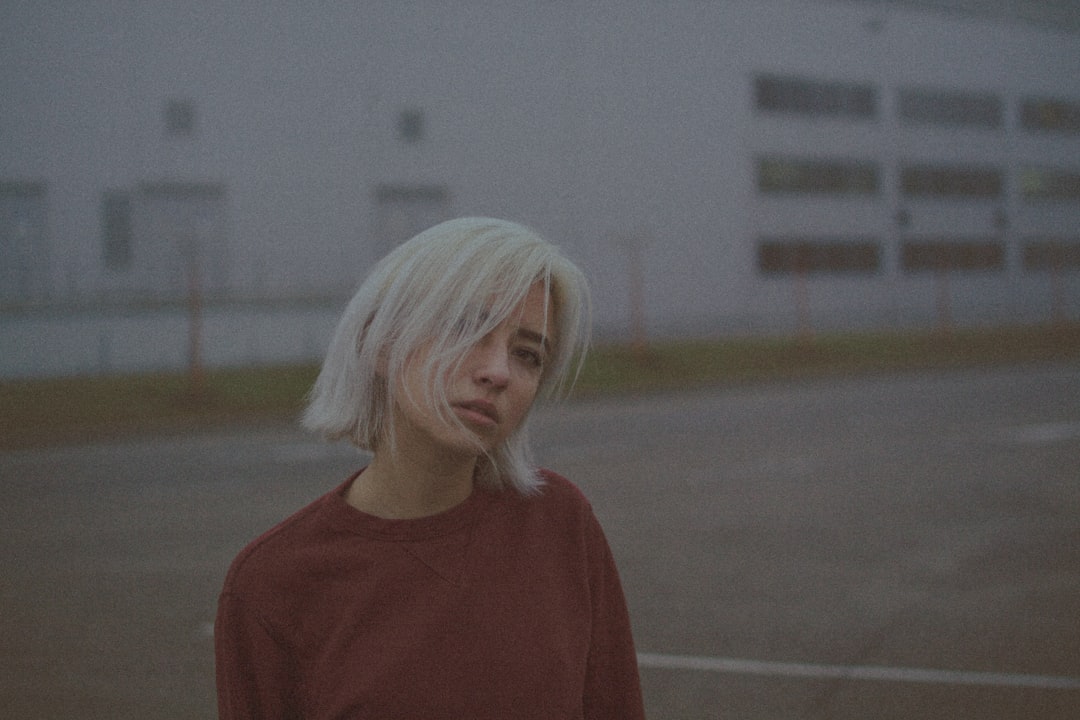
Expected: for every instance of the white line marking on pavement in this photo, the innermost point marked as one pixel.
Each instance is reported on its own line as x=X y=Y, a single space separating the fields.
x=854 y=672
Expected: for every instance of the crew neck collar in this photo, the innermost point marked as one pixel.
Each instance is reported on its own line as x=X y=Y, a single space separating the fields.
x=350 y=519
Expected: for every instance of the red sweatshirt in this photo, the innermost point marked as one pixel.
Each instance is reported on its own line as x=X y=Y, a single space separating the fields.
x=503 y=607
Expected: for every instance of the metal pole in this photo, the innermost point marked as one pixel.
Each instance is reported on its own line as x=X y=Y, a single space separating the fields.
x=196 y=374
x=944 y=300
x=804 y=327
x=639 y=341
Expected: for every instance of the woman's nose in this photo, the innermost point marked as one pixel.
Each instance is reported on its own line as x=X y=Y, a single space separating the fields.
x=491 y=364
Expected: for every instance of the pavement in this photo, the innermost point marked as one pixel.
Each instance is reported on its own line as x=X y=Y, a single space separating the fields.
x=903 y=546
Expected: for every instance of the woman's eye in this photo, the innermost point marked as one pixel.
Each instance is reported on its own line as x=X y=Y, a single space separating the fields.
x=532 y=357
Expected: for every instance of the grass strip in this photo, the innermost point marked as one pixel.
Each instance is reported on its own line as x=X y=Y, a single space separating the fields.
x=34 y=413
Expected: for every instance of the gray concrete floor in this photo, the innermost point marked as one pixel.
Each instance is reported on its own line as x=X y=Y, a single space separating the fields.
x=785 y=538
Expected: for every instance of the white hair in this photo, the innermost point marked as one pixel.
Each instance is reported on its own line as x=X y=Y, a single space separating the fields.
x=443 y=291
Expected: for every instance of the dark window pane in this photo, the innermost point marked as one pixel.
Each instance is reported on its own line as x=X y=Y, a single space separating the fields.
x=1047 y=184
x=179 y=118
x=411 y=125
x=411 y=193
x=942 y=181
x=116 y=230
x=944 y=107
x=814 y=97
x=952 y=254
x=1052 y=254
x=1050 y=115
x=789 y=255
x=841 y=177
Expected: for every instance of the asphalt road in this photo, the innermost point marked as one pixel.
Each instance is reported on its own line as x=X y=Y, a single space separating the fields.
x=883 y=547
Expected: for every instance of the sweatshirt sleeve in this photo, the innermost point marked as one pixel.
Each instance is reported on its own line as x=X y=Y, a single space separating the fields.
x=255 y=675
x=612 y=685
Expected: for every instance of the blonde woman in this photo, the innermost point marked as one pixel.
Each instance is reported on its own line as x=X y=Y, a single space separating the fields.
x=450 y=578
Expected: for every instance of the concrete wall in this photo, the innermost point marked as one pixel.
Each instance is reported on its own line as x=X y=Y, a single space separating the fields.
x=615 y=127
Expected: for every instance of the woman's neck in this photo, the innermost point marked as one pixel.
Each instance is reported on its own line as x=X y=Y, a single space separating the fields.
x=402 y=485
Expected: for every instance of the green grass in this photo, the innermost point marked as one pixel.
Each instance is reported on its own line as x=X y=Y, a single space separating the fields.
x=682 y=365
x=43 y=412
x=79 y=409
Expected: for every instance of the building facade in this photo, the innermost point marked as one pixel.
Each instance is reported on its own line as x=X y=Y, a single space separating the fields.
x=717 y=168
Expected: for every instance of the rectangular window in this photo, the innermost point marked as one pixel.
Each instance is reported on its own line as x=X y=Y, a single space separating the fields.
x=936 y=254
x=116 y=235
x=180 y=242
x=950 y=181
x=1041 y=254
x=412 y=194
x=1049 y=185
x=410 y=125
x=401 y=211
x=800 y=96
x=794 y=255
x=1050 y=115
x=928 y=106
x=179 y=117
x=24 y=256
x=834 y=177
x=182 y=191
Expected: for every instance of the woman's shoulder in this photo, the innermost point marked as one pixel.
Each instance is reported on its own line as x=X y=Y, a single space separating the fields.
x=560 y=489
x=556 y=500
x=280 y=546
x=559 y=510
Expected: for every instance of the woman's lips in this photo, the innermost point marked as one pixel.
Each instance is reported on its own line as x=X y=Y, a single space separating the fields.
x=480 y=412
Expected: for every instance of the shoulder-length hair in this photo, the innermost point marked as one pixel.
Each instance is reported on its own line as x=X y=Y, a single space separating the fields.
x=442 y=292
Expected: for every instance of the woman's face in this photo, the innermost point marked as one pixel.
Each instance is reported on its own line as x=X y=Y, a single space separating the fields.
x=491 y=391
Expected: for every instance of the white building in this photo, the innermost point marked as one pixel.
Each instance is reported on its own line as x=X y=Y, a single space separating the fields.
x=770 y=165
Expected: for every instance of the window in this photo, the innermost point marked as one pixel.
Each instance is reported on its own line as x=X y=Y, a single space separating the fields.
x=410 y=125
x=791 y=255
x=180 y=190
x=417 y=194
x=1052 y=254
x=24 y=260
x=1048 y=184
x=180 y=241
x=782 y=94
x=937 y=254
x=836 y=177
x=179 y=118
x=944 y=107
x=950 y=181
x=401 y=211
x=116 y=233
x=1050 y=115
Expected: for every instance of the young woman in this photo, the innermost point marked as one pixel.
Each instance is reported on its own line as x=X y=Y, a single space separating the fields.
x=449 y=578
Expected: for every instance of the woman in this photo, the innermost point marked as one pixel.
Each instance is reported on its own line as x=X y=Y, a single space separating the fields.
x=449 y=578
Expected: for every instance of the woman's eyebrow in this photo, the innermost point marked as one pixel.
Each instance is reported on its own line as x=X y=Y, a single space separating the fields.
x=535 y=337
